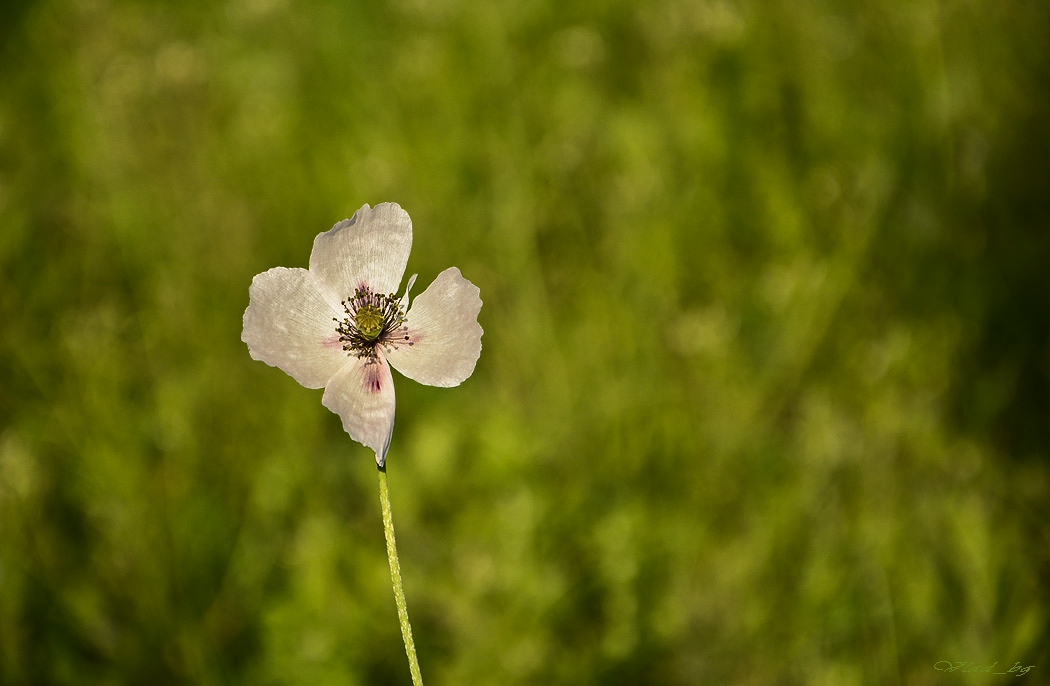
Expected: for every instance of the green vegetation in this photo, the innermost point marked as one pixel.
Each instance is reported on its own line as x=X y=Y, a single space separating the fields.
x=765 y=389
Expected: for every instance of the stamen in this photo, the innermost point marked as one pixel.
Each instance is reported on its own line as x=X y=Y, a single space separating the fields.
x=371 y=318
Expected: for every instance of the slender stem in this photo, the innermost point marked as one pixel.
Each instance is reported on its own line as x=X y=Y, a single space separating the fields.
x=395 y=577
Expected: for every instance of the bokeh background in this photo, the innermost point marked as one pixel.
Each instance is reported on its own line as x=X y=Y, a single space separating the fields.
x=765 y=389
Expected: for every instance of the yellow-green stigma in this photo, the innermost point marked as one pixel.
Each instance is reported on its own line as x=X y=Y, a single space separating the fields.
x=370 y=322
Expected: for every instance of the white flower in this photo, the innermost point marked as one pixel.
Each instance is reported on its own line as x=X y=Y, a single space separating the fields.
x=339 y=325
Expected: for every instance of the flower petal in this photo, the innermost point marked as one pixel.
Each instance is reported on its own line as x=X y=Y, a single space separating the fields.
x=441 y=339
x=288 y=324
x=362 y=394
x=371 y=248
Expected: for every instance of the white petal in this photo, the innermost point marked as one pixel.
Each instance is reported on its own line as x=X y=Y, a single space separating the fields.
x=362 y=394
x=408 y=289
x=288 y=324
x=443 y=335
x=369 y=249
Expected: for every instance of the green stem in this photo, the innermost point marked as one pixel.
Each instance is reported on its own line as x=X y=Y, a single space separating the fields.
x=395 y=577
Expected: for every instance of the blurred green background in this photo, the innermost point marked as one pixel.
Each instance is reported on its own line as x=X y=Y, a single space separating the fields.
x=765 y=389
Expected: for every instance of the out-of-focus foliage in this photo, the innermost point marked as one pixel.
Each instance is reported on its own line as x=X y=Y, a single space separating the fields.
x=765 y=391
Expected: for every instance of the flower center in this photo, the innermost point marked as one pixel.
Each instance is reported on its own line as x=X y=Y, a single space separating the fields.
x=370 y=319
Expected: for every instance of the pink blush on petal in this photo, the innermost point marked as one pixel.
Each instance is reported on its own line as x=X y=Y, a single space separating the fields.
x=373 y=378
